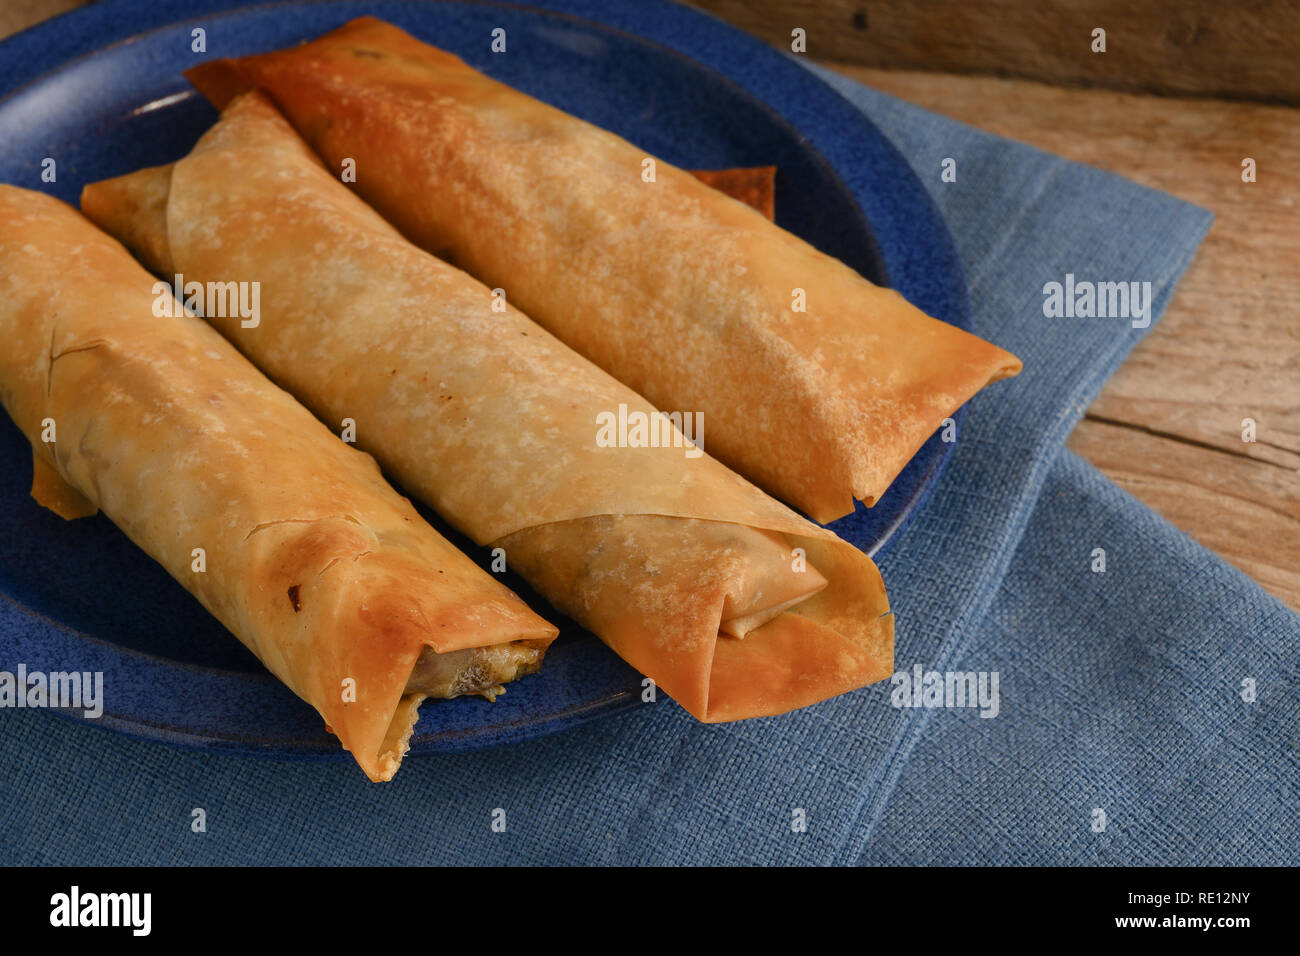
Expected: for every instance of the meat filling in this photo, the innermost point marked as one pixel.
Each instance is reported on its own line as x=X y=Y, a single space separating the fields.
x=475 y=670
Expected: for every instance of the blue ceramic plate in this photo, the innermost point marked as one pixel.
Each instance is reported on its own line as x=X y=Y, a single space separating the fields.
x=100 y=91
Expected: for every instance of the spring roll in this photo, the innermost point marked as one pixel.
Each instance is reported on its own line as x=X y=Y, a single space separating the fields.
x=732 y=603
x=290 y=537
x=816 y=383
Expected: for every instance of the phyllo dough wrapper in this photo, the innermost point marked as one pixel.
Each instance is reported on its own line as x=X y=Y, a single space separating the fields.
x=731 y=602
x=315 y=563
x=680 y=292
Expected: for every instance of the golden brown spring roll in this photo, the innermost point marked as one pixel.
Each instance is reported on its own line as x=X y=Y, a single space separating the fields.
x=327 y=574
x=816 y=383
x=735 y=605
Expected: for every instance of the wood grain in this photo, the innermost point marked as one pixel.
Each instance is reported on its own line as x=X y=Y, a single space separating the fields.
x=18 y=15
x=1168 y=426
x=1248 y=49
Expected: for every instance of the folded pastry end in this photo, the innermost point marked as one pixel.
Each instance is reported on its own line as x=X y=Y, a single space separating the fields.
x=133 y=209
x=796 y=661
x=220 y=81
x=51 y=491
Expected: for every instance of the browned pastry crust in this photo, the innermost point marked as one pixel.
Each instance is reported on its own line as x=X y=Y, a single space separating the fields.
x=684 y=568
x=310 y=557
x=680 y=292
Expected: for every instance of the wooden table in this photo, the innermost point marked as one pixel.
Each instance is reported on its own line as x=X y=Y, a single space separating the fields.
x=1168 y=426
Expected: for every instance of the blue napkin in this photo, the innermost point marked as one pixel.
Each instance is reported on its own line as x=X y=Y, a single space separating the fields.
x=1119 y=691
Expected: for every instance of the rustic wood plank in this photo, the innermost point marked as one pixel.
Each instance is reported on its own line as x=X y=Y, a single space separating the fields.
x=1235 y=506
x=1168 y=425
x=18 y=15
x=1199 y=47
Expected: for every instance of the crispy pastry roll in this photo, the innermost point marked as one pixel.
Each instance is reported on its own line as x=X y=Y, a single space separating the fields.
x=327 y=574
x=732 y=603
x=687 y=296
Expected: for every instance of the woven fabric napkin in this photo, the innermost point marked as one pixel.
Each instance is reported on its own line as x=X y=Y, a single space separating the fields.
x=1118 y=691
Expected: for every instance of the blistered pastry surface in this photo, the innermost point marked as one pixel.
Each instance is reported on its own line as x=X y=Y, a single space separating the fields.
x=684 y=294
x=308 y=555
